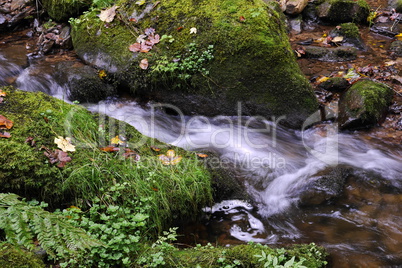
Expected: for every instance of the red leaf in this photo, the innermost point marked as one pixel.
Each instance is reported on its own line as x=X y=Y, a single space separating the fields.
x=136 y=47
x=242 y=19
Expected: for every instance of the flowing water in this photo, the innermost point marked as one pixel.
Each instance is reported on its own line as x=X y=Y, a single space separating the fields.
x=359 y=225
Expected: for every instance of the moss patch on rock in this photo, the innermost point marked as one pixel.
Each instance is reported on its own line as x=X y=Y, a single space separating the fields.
x=62 y=10
x=311 y=256
x=174 y=191
x=252 y=58
x=12 y=257
x=364 y=104
x=344 y=11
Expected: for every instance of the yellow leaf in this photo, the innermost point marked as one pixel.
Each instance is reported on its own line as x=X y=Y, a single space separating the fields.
x=399 y=36
x=140 y=3
x=116 y=140
x=170 y=158
x=107 y=15
x=64 y=144
x=2 y=93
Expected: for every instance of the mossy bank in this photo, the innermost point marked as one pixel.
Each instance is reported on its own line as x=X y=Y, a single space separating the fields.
x=210 y=56
x=174 y=191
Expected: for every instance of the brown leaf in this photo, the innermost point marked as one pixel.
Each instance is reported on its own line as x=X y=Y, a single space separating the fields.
x=132 y=155
x=136 y=47
x=154 y=148
x=5 y=135
x=145 y=48
x=149 y=31
x=30 y=141
x=110 y=148
x=5 y=123
x=144 y=64
x=108 y=15
x=154 y=39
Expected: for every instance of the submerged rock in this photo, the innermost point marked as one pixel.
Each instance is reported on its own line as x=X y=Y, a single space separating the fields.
x=364 y=104
x=210 y=56
x=396 y=48
x=331 y=54
x=335 y=84
x=324 y=187
x=343 y=11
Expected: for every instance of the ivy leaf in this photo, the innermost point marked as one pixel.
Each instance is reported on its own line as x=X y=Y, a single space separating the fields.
x=108 y=15
x=64 y=144
x=5 y=123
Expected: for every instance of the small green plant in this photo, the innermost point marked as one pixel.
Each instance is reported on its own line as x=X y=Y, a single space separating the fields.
x=119 y=224
x=162 y=246
x=184 y=66
x=278 y=261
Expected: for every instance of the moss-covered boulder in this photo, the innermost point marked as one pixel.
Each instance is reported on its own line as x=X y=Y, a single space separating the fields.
x=62 y=10
x=364 y=104
x=336 y=11
x=12 y=257
x=33 y=165
x=335 y=84
x=251 y=255
x=211 y=55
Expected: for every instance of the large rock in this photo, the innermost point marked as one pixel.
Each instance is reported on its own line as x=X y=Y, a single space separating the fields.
x=294 y=7
x=343 y=11
x=364 y=104
x=211 y=56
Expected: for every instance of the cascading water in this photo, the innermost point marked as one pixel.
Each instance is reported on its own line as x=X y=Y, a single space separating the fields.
x=276 y=165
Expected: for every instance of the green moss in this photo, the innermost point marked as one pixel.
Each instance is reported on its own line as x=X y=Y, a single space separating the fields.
x=348 y=11
x=62 y=10
x=350 y=30
x=174 y=192
x=12 y=257
x=398 y=7
x=245 y=52
x=239 y=256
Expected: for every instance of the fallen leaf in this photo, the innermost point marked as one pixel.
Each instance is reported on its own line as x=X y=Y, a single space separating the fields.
x=145 y=48
x=56 y=156
x=64 y=144
x=180 y=28
x=193 y=30
x=242 y=19
x=154 y=189
x=337 y=39
x=202 y=155
x=140 y=3
x=5 y=123
x=133 y=19
x=156 y=149
x=5 y=135
x=108 y=15
x=110 y=148
x=102 y=74
x=1 y=99
x=144 y=64
x=136 y=47
x=154 y=39
x=117 y=140
x=170 y=158
x=149 y=31
x=30 y=141
x=399 y=36
x=132 y=155
x=2 y=93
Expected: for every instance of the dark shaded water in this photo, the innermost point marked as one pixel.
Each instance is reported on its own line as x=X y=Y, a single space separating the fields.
x=360 y=226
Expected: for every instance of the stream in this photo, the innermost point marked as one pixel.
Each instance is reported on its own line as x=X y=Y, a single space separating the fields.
x=282 y=169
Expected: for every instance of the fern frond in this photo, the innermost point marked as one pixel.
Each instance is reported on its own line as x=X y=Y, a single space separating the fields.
x=22 y=222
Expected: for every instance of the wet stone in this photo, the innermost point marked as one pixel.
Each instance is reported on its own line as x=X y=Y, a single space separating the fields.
x=396 y=47
x=335 y=84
